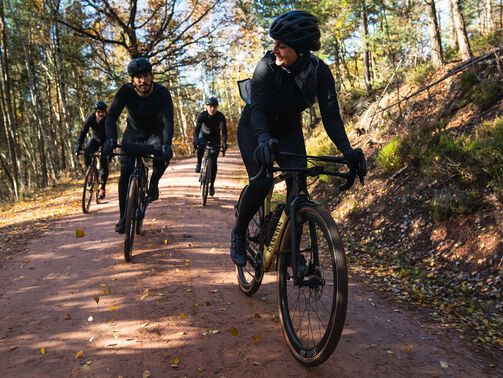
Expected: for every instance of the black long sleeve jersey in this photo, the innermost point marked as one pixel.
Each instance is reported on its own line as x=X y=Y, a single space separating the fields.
x=148 y=115
x=276 y=99
x=98 y=129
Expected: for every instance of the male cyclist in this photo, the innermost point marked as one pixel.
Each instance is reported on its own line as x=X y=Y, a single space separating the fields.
x=96 y=122
x=149 y=120
x=208 y=126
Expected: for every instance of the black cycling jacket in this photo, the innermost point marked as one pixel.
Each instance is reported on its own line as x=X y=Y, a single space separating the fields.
x=97 y=127
x=148 y=115
x=276 y=99
x=210 y=126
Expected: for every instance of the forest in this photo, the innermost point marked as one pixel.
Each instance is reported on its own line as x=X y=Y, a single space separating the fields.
x=58 y=58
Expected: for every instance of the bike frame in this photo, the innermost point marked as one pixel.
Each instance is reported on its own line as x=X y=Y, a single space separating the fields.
x=141 y=171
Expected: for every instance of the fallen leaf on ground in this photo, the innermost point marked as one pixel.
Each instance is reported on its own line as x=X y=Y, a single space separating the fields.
x=13 y=347
x=113 y=308
x=165 y=242
x=175 y=362
x=214 y=291
x=103 y=284
x=408 y=348
x=214 y=331
x=146 y=374
x=256 y=363
x=183 y=315
x=234 y=331
x=444 y=365
x=212 y=250
x=145 y=294
x=91 y=339
x=68 y=317
x=96 y=299
x=42 y=350
x=256 y=338
x=79 y=233
x=79 y=354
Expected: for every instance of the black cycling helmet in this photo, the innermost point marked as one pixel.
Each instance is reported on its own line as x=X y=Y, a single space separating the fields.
x=139 y=66
x=212 y=101
x=298 y=29
x=100 y=105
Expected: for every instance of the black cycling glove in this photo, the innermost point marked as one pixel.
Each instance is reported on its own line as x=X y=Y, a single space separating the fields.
x=264 y=154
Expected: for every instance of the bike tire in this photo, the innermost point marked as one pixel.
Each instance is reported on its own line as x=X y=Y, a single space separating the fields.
x=206 y=181
x=327 y=289
x=250 y=276
x=88 y=189
x=131 y=207
x=96 y=192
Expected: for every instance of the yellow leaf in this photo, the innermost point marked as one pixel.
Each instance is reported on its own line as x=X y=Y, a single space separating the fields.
x=103 y=285
x=256 y=339
x=165 y=241
x=212 y=250
x=79 y=233
x=408 y=348
x=113 y=308
x=96 y=299
x=183 y=315
x=145 y=294
x=175 y=362
x=109 y=291
x=234 y=331
x=146 y=374
x=42 y=350
x=103 y=291
x=79 y=354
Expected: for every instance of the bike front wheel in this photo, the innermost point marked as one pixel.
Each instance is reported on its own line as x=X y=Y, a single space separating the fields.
x=131 y=207
x=205 y=185
x=313 y=312
x=88 y=189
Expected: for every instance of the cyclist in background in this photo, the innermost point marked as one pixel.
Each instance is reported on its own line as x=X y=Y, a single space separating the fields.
x=95 y=122
x=149 y=120
x=208 y=127
x=286 y=81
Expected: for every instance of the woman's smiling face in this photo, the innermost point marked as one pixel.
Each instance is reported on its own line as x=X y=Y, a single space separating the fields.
x=285 y=55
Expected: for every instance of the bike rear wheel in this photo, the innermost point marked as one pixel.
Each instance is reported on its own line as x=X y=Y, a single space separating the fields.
x=88 y=189
x=205 y=185
x=250 y=276
x=131 y=208
x=312 y=314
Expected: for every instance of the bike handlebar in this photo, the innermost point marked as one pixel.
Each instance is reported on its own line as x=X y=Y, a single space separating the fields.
x=318 y=170
x=139 y=149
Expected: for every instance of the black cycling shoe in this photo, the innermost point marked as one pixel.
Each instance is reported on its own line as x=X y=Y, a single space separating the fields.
x=198 y=168
x=212 y=190
x=153 y=193
x=120 y=227
x=238 y=248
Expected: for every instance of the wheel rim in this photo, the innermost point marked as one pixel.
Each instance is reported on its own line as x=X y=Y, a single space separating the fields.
x=308 y=311
x=87 y=194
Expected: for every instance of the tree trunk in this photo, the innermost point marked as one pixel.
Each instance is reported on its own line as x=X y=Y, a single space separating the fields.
x=453 y=38
x=489 y=16
x=10 y=123
x=367 y=71
x=437 y=57
x=459 y=22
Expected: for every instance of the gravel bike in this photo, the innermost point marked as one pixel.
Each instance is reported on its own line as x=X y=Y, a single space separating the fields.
x=137 y=199
x=210 y=152
x=91 y=186
x=299 y=239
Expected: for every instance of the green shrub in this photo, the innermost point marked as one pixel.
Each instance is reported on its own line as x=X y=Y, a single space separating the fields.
x=446 y=204
x=486 y=94
x=484 y=43
x=467 y=81
x=420 y=74
x=389 y=158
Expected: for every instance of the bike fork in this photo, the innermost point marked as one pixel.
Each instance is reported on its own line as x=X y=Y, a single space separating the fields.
x=293 y=239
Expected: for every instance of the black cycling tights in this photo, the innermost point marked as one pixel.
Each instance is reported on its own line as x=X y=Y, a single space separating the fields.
x=290 y=140
x=127 y=167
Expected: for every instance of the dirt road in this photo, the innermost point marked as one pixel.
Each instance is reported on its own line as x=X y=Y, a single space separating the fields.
x=177 y=303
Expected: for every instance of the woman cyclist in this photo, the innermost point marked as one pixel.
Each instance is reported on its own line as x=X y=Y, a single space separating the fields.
x=286 y=81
